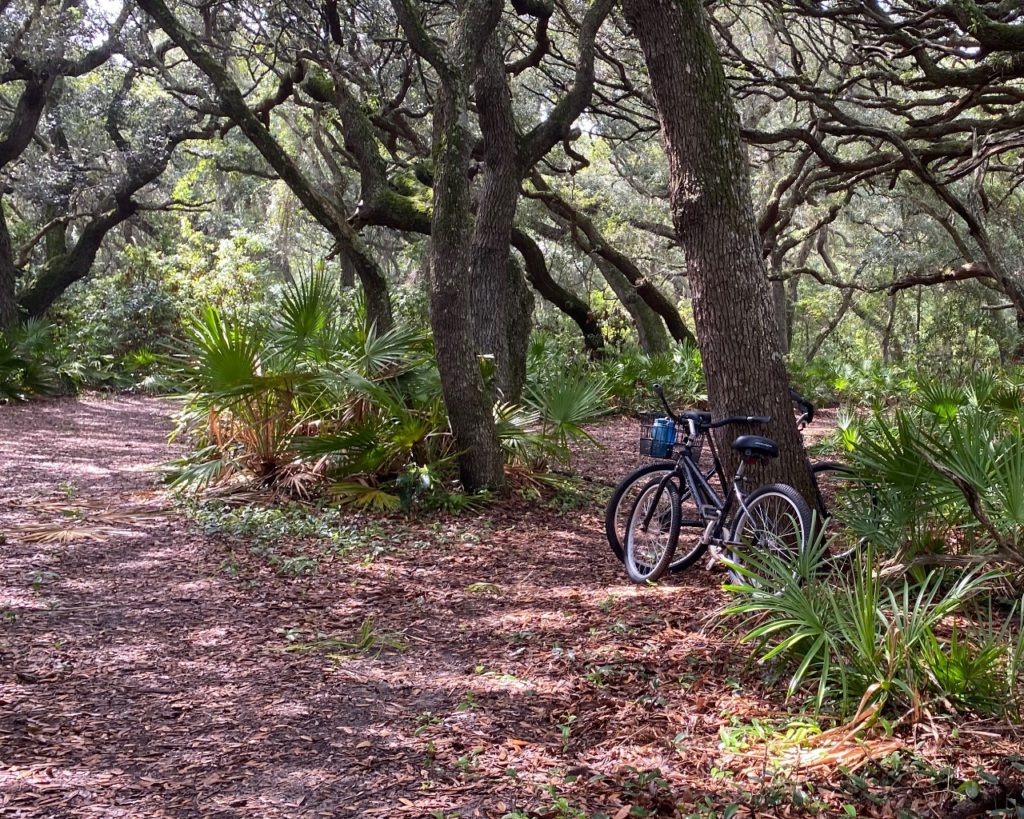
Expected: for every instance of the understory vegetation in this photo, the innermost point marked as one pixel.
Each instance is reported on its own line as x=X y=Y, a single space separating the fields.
x=318 y=398
x=927 y=619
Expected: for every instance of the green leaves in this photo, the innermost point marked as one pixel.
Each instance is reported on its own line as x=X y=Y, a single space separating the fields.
x=226 y=354
x=26 y=367
x=949 y=472
x=553 y=414
x=565 y=404
x=308 y=326
x=630 y=373
x=851 y=636
x=317 y=393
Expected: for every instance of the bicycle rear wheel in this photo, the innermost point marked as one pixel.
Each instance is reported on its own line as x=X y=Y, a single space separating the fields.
x=849 y=505
x=775 y=521
x=652 y=531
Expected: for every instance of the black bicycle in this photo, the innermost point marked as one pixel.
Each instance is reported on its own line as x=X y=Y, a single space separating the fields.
x=773 y=518
x=833 y=480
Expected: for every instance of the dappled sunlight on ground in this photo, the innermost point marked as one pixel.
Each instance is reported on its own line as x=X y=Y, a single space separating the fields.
x=469 y=665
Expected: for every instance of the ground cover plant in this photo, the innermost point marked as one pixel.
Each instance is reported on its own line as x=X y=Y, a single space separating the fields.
x=925 y=623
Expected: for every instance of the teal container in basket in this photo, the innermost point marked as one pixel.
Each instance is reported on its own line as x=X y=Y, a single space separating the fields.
x=663 y=436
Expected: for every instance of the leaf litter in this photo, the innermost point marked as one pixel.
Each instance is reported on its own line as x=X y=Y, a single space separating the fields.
x=496 y=663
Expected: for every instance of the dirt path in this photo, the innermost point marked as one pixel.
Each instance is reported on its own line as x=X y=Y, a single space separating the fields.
x=164 y=669
x=136 y=679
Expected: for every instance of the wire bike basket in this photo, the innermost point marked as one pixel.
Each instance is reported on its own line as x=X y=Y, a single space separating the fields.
x=657 y=435
x=662 y=438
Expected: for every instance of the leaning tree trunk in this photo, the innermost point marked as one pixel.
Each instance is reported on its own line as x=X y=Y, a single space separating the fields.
x=570 y=304
x=714 y=219
x=651 y=333
x=502 y=304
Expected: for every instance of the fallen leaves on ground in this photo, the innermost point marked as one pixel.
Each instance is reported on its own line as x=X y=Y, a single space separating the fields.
x=144 y=674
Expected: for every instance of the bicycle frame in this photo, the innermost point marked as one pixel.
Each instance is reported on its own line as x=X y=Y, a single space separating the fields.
x=710 y=505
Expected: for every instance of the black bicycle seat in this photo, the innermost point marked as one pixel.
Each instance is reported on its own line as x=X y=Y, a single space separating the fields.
x=756 y=446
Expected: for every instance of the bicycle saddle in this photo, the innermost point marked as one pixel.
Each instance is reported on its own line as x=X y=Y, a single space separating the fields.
x=756 y=446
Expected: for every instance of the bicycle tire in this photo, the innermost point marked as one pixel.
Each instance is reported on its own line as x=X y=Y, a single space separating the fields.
x=620 y=504
x=774 y=518
x=649 y=551
x=842 y=496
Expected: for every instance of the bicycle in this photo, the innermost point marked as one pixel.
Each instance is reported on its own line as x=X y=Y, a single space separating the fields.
x=829 y=477
x=774 y=517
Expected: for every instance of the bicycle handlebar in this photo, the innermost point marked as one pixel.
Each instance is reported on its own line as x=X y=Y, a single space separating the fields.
x=741 y=419
x=806 y=407
x=664 y=401
x=721 y=422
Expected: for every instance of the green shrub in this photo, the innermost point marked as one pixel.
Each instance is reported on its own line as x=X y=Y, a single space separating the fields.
x=861 y=640
x=313 y=395
x=28 y=364
x=867 y=382
x=630 y=375
x=317 y=397
x=949 y=471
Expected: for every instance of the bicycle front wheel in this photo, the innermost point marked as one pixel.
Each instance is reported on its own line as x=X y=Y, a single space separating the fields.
x=620 y=505
x=775 y=522
x=652 y=531
x=616 y=514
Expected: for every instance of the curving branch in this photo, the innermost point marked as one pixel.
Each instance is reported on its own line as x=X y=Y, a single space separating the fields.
x=323 y=209
x=600 y=246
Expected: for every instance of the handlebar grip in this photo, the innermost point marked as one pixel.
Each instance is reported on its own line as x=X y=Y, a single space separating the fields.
x=806 y=406
x=742 y=419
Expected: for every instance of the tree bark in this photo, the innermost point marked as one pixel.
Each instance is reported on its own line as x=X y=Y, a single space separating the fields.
x=8 y=276
x=780 y=300
x=651 y=333
x=714 y=218
x=501 y=303
x=62 y=271
x=574 y=307
x=469 y=406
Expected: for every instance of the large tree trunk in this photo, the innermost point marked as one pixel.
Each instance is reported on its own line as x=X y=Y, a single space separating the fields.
x=501 y=302
x=714 y=219
x=780 y=299
x=451 y=232
x=469 y=406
